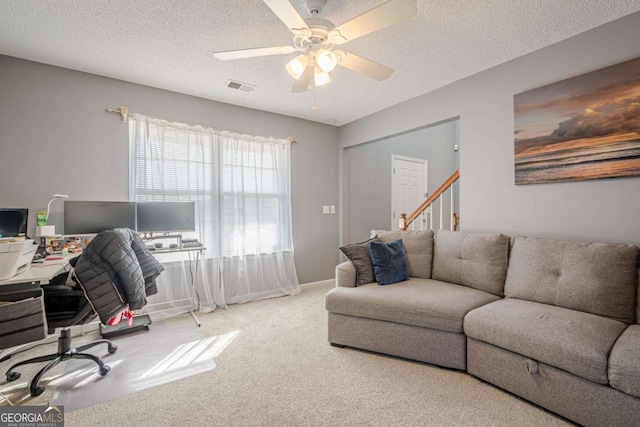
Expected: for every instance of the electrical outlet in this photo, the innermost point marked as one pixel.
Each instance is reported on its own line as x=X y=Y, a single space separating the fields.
x=326 y=209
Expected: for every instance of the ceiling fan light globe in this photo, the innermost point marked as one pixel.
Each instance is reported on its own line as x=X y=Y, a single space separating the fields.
x=326 y=59
x=320 y=77
x=296 y=66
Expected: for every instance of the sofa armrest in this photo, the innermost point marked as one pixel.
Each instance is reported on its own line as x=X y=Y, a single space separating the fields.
x=346 y=275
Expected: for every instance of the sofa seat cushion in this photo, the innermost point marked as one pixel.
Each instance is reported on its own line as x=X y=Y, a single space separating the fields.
x=570 y=340
x=425 y=303
x=624 y=362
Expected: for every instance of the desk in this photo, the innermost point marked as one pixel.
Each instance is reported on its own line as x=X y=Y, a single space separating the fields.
x=22 y=293
x=40 y=272
x=22 y=315
x=194 y=300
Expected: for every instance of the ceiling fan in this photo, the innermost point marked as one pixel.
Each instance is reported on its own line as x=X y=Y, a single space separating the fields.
x=316 y=39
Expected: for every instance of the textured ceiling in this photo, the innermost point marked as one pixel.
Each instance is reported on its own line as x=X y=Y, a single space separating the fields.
x=169 y=44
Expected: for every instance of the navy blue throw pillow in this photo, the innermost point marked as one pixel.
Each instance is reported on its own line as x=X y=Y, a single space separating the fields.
x=389 y=261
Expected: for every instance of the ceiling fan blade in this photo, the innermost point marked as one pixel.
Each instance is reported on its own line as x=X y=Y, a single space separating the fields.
x=387 y=14
x=287 y=14
x=365 y=66
x=252 y=53
x=302 y=84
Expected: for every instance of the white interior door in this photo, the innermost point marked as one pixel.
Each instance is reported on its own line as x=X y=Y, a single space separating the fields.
x=408 y=187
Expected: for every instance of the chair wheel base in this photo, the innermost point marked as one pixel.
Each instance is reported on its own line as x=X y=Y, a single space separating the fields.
x=37 y=391
x=65 y=352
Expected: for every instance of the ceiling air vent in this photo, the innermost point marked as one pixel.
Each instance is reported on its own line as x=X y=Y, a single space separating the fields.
x=244 y=87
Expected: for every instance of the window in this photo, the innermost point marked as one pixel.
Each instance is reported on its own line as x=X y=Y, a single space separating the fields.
x=241 y=184
x=241 y=189
x=253 y=204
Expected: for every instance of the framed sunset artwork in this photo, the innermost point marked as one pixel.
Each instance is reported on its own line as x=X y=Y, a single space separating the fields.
x=585 y=127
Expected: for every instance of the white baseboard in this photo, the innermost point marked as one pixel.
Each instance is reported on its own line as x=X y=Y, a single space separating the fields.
x=318 y=283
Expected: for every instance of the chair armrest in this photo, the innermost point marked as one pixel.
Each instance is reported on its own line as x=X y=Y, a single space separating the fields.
x=346 y=275
x=61 y=290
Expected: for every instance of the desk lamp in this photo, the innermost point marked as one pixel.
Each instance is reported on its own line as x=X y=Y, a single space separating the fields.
x=49 y=230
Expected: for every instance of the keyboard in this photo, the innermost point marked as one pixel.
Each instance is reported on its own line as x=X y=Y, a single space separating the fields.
x=191 y=244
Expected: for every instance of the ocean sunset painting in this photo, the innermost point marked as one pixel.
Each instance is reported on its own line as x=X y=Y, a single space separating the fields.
x=585 y=127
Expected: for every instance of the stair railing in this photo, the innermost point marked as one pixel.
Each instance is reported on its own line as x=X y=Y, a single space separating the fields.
x=405 y=221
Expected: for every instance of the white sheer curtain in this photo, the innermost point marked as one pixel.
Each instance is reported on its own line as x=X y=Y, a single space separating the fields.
x=241 y=186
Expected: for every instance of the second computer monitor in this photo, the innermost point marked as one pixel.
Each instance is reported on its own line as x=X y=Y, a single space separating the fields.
x=161 y=217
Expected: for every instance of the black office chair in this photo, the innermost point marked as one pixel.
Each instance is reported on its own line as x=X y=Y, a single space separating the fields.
x=64 y=306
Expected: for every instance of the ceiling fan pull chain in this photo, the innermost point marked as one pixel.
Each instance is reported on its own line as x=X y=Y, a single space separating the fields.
x=314 y=107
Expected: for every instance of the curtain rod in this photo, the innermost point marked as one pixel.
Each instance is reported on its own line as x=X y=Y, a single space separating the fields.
x=124 y=113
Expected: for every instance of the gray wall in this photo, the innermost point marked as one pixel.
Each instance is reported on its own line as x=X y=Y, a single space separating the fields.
x=56 y=137
x=601 y=210
x=369 y=174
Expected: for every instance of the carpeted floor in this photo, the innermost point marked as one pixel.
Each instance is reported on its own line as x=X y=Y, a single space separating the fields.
x=274 y=367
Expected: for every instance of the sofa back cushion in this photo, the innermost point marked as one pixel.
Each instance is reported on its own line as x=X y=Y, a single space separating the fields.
x=418 y=245
x=597 y=278
x=476 y=260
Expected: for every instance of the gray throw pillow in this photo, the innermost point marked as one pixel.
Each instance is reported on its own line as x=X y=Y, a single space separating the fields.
x=360 y=257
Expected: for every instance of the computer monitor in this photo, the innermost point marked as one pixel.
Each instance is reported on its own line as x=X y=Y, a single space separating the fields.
x=13 y=222
x=82 y=217
x=166 y=217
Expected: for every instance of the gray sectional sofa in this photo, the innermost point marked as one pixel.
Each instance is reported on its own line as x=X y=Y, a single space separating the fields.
x=551 y=321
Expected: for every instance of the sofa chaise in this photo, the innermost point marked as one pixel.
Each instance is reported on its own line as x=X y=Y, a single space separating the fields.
x=551 y=321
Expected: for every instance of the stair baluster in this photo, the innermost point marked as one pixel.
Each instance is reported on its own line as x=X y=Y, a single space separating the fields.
x=426 y=208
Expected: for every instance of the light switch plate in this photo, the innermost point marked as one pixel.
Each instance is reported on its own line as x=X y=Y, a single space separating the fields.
x=326 y=209
x=333 y=209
